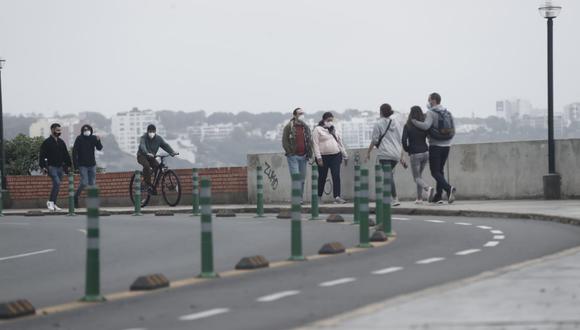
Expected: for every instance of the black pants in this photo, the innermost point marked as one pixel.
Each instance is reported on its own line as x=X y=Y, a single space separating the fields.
x=149 y=166
x=437 y=158
x=331 y=162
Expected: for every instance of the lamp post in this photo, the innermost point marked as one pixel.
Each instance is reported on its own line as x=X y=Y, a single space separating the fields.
x=552 y=181
x=2 y=154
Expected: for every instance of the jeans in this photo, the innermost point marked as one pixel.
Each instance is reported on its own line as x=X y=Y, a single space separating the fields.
x=55 y=173
x=418 y=163
x=297 y=165
x=393 y=163
x=437 y=158
x=331 y=162
x=88 y=178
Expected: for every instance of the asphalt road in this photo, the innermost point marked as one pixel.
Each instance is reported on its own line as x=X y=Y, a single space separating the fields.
x=429 y=251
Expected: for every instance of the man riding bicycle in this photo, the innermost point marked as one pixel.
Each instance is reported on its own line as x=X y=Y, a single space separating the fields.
x=148 y=147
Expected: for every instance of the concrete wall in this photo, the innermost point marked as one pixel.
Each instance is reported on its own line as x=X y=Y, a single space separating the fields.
x=511 y=170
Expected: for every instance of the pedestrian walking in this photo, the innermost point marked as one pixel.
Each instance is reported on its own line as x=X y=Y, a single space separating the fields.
x=297 y=144
x=415 y=144
x=329 y=152
x=441 y=130
x=84 y=159
x=54 y=160
x=386 y=137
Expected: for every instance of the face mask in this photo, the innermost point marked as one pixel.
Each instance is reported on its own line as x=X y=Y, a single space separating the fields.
x=151 y=135
x=87 y=133
x=327 y=124
x=301 y=117
x=429 y=106
x=57 y=134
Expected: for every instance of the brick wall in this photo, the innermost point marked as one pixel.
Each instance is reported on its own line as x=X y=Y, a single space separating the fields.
x=229 y=185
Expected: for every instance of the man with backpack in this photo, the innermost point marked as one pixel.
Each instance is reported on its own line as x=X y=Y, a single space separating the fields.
x=441 y=130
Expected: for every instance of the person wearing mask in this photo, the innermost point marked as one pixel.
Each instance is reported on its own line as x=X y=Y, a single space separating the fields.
x=329 y=152
x=415 y=144
x=386 y=137
x=441 y=129
x=297 y=144
x=84 y=158
x=148 y=146
x=54 y=160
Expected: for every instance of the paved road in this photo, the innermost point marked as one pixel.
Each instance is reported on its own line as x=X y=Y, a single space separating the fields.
x=429 y=251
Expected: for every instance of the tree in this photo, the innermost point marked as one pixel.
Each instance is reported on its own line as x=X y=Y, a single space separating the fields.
x=22 y=154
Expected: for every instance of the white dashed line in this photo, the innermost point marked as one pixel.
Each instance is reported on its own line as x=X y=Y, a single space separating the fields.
x=201 y=315
x=466 y=252
x=491 y=244
x=499 y=237
x=402 y=219
x=463 y=223
x=435 y=221
x=337 y=282
x=429 y=261
x=276 y=296
x=484 y=227
x=387 y=270
x=27 y=254
x=499 y=232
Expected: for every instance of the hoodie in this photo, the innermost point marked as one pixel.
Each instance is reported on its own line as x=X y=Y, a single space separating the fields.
x=84 y=149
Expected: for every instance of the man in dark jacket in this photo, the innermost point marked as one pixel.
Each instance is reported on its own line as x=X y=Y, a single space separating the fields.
x=84 y=158
x=54 y=160
x=148 y=146
x=297 y=144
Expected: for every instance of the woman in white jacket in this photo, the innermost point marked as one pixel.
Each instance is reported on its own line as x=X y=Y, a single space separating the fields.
x=329 y=152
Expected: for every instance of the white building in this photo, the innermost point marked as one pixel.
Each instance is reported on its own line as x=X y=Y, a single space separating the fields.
x=356 y=133
x=128 y=127
x=212 y=132
x=70 y=127
x=514 y=109
x=572 y=113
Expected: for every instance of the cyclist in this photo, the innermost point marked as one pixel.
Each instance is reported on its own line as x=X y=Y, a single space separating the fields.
x=148 y=146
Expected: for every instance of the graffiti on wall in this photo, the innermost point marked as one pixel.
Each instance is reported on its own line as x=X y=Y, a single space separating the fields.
x=271 y=175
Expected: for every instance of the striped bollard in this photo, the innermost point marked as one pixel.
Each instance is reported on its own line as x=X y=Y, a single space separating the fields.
x=364 y=209
x=296 y=223
x=259 y=192
x=356 y=194
x=206 y=231
x=71 y=194
x=93 y=271
x=137 y=195
x=1 y=197
x=387 y=199
x=378 y=195
x=195 y=192
x=314 y=198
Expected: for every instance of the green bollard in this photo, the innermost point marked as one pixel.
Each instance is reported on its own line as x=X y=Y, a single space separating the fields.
x=314 y=198
x=259 y=192
x=378 y=195
x=93 y=272
x=356 y=194
x=364 y=209
x=296 y=223
x=207 y=270
x=71 y=194
x=195 y=192
x=387 y=221
x=137 y=196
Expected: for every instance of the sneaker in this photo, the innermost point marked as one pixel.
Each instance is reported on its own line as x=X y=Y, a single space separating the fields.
x=56 y=208
x=451 y=197
x=338 y=200
x=395 y=202
x=418 y=201
x=50 y=206
x=430 y=194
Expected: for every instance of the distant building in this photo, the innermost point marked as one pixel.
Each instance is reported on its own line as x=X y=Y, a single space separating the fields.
x=128 y=127
x=357 y=132
x=541 y=123
x=212 y=132
x=70 y=127
x=572 y=113
x=515 y=109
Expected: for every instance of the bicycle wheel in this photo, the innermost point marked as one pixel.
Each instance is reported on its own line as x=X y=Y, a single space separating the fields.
x=171 y=188
x=144 y=194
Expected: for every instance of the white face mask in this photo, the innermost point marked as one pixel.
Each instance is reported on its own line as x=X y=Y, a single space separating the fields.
x=328 y=124
x=151 y=135
x=301 y=117
x=429 y=105
x=87 y=133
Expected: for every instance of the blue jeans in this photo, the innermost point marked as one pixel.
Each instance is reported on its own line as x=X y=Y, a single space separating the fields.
x=88 y=178
x=297 y=165
x=55 y=173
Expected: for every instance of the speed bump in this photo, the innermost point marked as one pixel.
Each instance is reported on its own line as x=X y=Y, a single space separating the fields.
x=163 y=213
x=379 y=236
x=335 y=218
x=224 y=213
x=332 y=248
x=150 y=282
x=253 y=262
x=17 y=308
x=34 y=213
x=284 y=214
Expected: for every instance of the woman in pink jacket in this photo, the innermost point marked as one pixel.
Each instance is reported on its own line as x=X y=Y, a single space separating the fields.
x=329 y=152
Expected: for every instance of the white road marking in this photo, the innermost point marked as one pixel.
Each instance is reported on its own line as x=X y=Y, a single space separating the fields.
x=499 y=237
x=387 y=270
x=466 y=252
x=484 y=227
x=137 y=329
x=428 y=261
x=15 y=223
x=337 y=282
x=401 y=219
x=27 y=254
x=491 y=244
x=497 y=232
x=435 y=221
x=84 y=231
x=277 y=296
x=201 y=315
x=463 y=223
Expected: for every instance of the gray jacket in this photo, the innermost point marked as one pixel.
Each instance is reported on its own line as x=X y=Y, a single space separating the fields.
x=390 y=147
x=147 y=145
x=432 y=120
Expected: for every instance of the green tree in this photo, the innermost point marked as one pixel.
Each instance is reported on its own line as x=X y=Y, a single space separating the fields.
x=22 y=154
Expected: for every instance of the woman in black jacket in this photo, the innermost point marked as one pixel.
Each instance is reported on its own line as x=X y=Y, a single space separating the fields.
x=84 y=158
x=415 y=144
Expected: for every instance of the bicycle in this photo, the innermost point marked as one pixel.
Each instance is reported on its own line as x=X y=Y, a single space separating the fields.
x=170 y=185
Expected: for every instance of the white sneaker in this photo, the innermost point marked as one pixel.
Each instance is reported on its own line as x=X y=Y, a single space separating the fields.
x=339 y=200
x=418 y=201
x=56 y=208
x=430 y=194
x=451 y=197
x=50 y=206
x=395 y=202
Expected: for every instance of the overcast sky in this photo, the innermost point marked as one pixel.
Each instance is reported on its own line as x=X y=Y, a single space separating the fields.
x=270 y=55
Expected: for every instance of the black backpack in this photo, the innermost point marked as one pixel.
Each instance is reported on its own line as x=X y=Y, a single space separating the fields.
x=446 y=128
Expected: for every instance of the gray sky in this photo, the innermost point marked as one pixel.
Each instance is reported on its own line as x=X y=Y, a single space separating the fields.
x=270 y=55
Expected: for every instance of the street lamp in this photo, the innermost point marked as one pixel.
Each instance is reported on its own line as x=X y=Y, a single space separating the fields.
x=552 y=181
x=2 y=154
